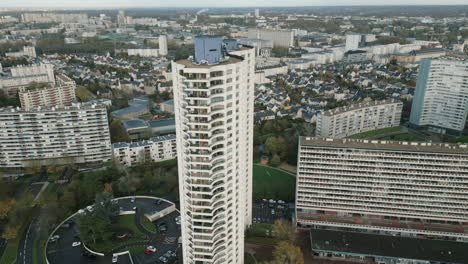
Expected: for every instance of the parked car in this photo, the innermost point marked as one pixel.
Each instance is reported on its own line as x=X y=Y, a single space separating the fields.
x=162 y=227
x=115 y=258
x=75 y=244
x=149 y=250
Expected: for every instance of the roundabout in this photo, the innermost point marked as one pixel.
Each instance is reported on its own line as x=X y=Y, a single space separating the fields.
x=136 y=230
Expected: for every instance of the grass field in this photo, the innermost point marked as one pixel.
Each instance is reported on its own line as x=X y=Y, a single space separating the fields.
x=403 y=137
x=373 y=133
x=272 y=183
x=148 y=225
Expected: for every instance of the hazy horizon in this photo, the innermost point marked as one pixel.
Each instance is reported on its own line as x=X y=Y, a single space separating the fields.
x=210 y=3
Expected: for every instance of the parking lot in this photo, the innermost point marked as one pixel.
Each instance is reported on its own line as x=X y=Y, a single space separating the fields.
x=267 y=211
x=166 y=242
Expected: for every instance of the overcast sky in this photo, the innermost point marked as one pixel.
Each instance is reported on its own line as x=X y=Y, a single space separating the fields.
x=213 y=3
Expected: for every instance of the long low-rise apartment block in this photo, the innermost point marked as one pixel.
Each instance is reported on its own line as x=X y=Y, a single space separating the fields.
x=77 y=134
x=357 y=118
x=385 y=186
x=151 y=150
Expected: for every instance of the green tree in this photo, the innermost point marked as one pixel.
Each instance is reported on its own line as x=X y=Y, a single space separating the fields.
x=118 y=133
x=93 y=228
x=275 y=160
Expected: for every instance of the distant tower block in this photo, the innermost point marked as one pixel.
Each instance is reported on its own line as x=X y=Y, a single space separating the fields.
x=163 y=45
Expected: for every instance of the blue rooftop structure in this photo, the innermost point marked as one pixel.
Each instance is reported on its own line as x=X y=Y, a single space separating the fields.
x=230 y=44
x=137 y=106
x=208 y=49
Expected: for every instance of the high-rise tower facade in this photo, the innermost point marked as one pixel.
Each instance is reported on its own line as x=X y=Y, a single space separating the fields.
x=213 y=99
x=441 y=97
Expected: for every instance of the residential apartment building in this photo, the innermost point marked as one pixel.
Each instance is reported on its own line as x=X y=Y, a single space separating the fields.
x=17 y=78
x=352 y=42
x=143 y=52
x=280 y=38
x=54 y=17
x=77 y=134
x=61 y=94
x=27 y=51
x=392 y=187
x=213 y=102
x=441 y=98
x=357 y=118
x=151 y=150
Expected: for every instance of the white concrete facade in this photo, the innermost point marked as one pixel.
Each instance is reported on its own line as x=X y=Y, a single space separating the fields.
x=391 y=186
x=77 y=134
x=441 y=96
x=62 y=94
x=22 y=76
x=27 y=51
x=214 y=123
x=349 y=120
x=152 y=150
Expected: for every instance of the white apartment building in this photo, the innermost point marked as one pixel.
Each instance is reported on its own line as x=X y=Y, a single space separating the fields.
x=27 y=51
x=77 y=134
x=143 y=52
x=54 y=17
x=163 y=45
x=154 y=150
x=61 y=94
x=352 y=42
x=213 y=99
x=384 y=186
x=441 y=97
x=21 y=76
x=280 y=38
x=357 y=118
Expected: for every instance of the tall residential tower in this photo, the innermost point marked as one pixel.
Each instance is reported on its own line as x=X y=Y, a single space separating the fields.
x=441 y=97
x=213 y=101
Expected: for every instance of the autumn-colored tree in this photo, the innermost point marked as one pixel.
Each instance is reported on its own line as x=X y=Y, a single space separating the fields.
x=5 y=208
x=284 y=230
x=108 y=187
x=10 y=232
x=287 y=253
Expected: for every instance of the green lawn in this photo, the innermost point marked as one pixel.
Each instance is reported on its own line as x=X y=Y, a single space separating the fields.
x=272 y=183
x=259 y=230
x=123 y=221
x=403 y=137
x=148 y=225
x=136 y=250
x=128 y=221
x=372 y=133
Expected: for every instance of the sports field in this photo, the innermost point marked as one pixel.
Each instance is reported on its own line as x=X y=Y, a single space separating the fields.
x=271 y=183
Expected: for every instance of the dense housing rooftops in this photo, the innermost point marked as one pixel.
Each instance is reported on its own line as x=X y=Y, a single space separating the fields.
x=385 y=145
x=352 y=107
x=388 y=246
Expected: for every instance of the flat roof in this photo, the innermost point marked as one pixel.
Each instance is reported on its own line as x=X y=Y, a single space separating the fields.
x=189 y=63
x=385 y=145
x=357 y=106
x=143 y=142
x=389 y=246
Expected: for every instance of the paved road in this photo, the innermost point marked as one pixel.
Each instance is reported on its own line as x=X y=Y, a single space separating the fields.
x=24 y=253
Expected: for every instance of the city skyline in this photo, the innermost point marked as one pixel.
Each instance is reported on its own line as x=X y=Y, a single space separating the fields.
x=210 y=3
